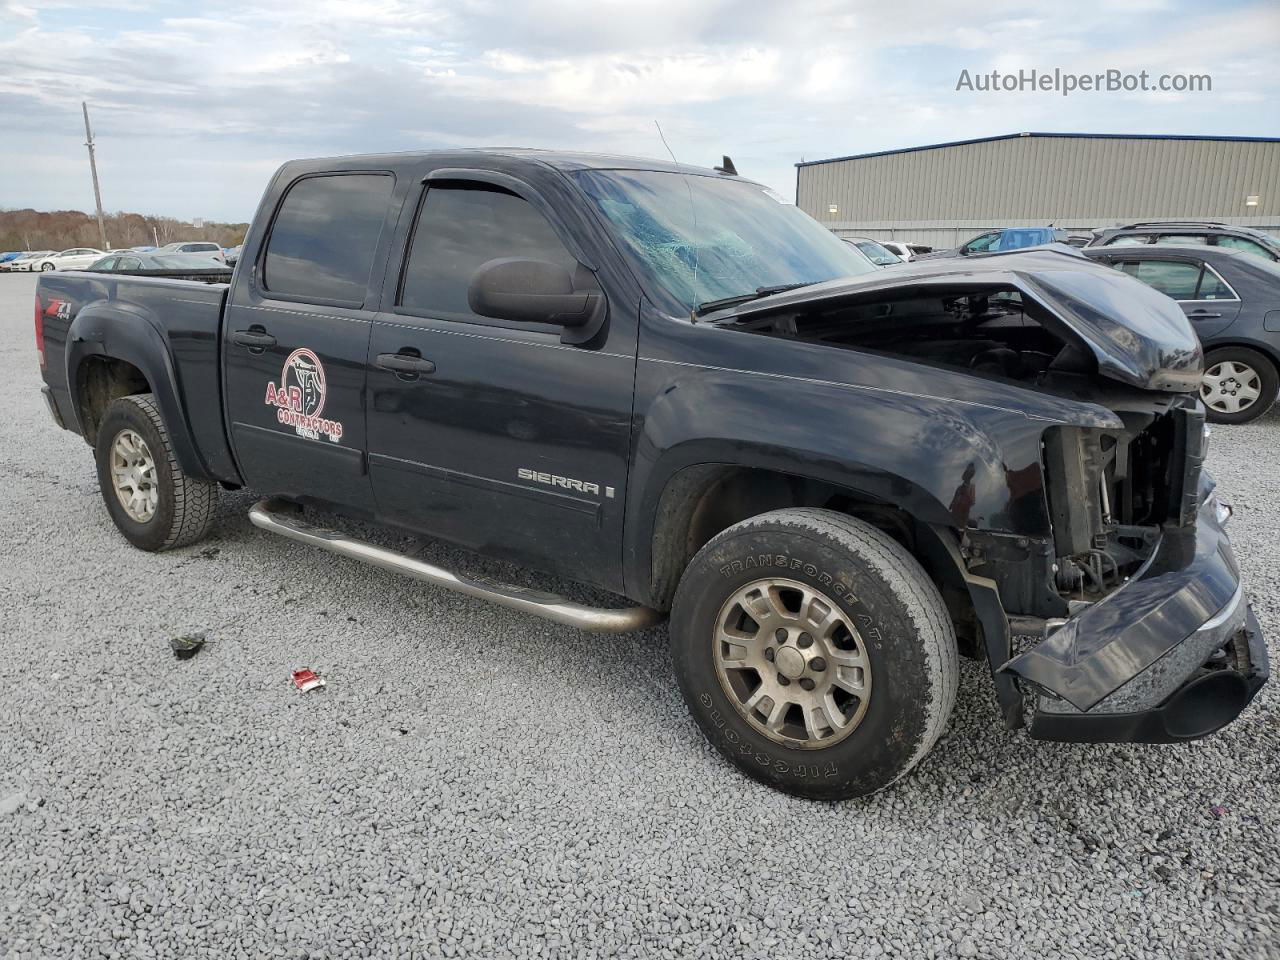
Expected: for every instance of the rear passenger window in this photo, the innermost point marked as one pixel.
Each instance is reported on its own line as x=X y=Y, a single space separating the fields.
x=462 y=227
x=1182 y=240
x=1177 y=280
x=324 y=237
x=1248 y=246
x=1212 y=288
x=1129 y=240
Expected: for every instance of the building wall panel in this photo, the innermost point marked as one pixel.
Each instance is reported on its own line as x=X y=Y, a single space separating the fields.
x=1079 y=182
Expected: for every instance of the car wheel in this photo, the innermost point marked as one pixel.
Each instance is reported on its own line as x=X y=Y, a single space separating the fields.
x=46 y=266
x=814 y=652
x=151 y=500
x=1239 y=385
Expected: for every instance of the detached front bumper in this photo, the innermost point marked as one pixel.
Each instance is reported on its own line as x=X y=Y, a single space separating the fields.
x=1175 y=654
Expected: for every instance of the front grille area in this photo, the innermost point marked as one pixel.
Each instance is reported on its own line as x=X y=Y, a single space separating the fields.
x=1111 y=492
x=1153 y=475
x=1191 y=428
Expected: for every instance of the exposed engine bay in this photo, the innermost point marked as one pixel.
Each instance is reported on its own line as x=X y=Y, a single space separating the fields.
x=1112 y=492
x=1109 y=492
x=992 y=331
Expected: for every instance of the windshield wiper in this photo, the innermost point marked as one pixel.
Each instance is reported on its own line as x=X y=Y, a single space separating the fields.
x=748 y=297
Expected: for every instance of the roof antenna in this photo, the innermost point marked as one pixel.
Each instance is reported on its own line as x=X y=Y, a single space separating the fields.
x=693 y=212
x=726 y=167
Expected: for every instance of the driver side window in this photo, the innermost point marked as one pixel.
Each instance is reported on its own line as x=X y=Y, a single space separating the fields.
x=461 y=227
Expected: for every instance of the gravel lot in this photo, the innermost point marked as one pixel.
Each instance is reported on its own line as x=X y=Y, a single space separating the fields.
x=476 y=782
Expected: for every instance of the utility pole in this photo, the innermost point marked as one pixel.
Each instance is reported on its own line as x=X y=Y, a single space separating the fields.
x=93 y=169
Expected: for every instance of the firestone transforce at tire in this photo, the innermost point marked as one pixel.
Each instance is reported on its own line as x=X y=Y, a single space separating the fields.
x=814 y=652
x=152 y=501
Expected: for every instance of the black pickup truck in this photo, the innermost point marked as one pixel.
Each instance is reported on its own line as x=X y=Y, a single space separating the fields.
x=661 y=381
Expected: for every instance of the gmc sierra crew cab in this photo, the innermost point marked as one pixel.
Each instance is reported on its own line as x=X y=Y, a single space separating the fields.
x=662 y=381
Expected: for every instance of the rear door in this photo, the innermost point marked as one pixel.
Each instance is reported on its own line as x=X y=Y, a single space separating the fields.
x=1208 y=301
x=296 y=336
x=487 y=433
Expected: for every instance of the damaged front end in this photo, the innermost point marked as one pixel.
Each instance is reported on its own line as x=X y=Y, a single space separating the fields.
x=1146 y=635
x=1157 y=642
x=1092 y=546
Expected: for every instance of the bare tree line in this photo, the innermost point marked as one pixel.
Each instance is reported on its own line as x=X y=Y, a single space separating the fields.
x=60 y=229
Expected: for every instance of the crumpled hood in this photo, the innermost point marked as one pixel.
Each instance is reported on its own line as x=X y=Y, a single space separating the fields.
x=1137 y=335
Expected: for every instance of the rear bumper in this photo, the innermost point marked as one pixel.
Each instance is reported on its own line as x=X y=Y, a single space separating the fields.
x=1175 y=654
x=49 y=402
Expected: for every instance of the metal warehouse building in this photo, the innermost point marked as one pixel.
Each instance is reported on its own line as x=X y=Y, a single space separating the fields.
x=945 y=193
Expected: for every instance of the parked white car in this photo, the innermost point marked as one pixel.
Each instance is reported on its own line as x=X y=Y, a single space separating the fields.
x=77 y=258
x=206 y=248
x=905 y=251
x=24 y=262
x=873 y=251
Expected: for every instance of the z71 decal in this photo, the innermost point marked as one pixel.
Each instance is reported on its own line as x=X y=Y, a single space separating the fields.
x=299 y=399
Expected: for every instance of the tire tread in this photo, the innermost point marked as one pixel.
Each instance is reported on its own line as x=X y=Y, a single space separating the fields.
x=907 y=580
x=194 y=500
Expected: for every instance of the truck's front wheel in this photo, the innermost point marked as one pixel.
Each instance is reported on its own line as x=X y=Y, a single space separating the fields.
x=152 y=501
x=814 y=652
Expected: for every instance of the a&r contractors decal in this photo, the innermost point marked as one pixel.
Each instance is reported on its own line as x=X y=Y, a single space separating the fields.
x=299 y=399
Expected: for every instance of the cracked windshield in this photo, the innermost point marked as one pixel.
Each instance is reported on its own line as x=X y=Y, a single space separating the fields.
x=699 y=239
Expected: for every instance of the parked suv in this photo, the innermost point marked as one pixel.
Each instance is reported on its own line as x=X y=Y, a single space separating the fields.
x=1194 y=233
x=1005 y=238
x=1233 y=302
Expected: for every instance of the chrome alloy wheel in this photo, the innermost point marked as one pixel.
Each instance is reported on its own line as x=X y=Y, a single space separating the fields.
x=133 y=475
x=1230 y=386
x=792 y=663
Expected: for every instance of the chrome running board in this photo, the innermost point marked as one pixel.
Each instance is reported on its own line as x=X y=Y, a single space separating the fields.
x=549 y=606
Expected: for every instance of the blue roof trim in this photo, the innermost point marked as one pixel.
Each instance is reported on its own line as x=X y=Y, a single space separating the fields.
x=1018 y=136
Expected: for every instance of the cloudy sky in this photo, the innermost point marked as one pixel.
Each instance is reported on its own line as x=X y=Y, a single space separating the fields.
x=195 y=103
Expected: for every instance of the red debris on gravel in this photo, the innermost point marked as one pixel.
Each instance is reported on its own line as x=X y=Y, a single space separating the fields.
x=306 y=680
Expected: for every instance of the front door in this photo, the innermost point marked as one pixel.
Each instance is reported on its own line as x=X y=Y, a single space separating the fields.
x=296 y=338
x=491 y=434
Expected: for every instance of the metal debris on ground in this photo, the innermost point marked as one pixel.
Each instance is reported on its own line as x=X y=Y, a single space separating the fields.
x=306 y=680
x=188 y=645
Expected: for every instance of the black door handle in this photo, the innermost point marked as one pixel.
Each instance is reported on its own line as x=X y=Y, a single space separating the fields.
x=404 y=363
x=1203 y=315
x=255 y=338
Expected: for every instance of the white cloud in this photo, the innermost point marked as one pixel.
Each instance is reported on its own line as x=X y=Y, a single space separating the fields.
x=192 y=107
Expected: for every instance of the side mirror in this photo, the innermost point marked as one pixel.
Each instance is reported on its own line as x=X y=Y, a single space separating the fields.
x=536 y=291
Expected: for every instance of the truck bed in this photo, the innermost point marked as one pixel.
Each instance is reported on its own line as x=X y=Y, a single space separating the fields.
x=108 y=312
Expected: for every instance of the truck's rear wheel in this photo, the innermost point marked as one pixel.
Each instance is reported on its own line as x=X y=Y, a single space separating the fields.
x=814 y=652
x=152 y=501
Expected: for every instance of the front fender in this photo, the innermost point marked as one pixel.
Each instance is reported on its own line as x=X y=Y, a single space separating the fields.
x=947 y=449
x=128 y=332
